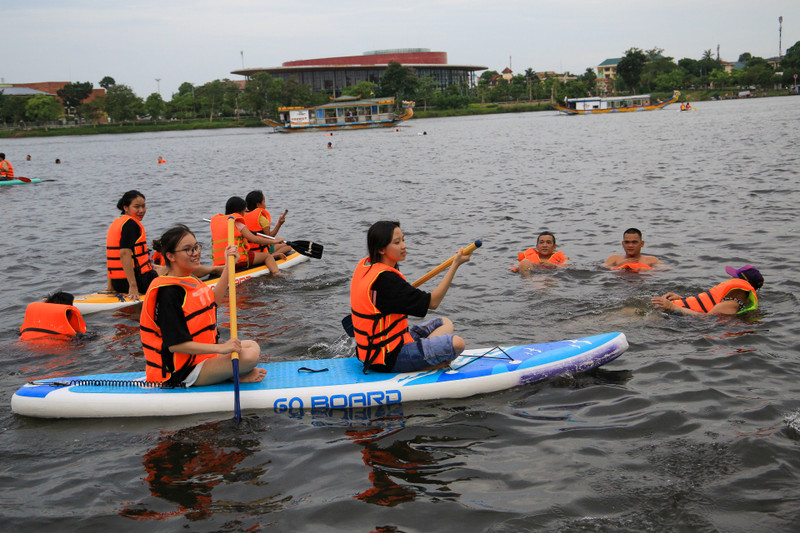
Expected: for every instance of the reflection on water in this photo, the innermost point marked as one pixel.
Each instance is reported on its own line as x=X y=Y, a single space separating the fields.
x=695 y=427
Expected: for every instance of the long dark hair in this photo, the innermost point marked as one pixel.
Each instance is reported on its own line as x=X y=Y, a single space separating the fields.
x=253 y=198
x=127 y=199
x=379 y=236
x=169 y=241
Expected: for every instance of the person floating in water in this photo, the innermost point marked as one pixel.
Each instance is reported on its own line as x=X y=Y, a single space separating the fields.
x=53 y=318
x=633 y=259
x=544 y=255
x=731 y=297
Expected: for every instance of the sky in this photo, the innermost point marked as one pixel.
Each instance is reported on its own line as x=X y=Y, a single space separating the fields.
x=155 y=46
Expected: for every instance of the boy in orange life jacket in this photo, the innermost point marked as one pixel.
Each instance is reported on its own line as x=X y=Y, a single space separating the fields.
x=235 y=206
x=543 y=256
x=731 y=297
x=633 y=259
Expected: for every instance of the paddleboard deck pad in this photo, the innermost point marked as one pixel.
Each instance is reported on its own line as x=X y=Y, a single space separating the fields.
x=317 y=383
x=111 y=301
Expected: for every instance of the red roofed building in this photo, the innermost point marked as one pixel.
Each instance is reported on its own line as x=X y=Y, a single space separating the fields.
x=332 y=74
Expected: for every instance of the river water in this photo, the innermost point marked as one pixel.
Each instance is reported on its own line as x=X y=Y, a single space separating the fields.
x=694 y=428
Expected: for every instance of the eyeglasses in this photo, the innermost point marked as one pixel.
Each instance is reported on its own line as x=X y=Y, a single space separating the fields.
x=196 y=249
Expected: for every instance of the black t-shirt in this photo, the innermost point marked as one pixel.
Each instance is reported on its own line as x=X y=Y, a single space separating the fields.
x=169 y=316
x=129 y=235
x=393 y=294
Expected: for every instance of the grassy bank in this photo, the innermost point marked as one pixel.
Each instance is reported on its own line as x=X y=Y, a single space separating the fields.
x=133 y=127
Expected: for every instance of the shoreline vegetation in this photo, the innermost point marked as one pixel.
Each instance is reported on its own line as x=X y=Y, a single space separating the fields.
x=142 y=126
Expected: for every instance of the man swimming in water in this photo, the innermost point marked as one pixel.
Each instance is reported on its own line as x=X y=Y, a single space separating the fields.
x=633 y=259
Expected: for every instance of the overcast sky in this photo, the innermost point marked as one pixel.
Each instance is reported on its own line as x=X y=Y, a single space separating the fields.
x=137 y=41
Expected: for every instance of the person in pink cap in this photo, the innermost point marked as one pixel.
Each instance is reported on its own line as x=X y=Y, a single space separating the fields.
x=731 y=297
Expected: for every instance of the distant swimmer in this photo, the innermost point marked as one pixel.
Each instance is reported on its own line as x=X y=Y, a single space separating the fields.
x=633 y=259
x=731 y=297
x=58 y=161
x=28 y=157
x=161 y=160
x=6 y=168
x=544 y=255
x=330 y=145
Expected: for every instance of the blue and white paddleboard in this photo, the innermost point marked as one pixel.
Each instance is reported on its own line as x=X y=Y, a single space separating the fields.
x=317 y=383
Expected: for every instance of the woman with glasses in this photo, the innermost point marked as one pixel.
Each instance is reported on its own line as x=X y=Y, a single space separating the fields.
x=178 y=325
x=130 y=270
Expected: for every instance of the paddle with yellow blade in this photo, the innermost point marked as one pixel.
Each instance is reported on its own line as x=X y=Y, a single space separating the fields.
x=237 y=409
x=347 y=322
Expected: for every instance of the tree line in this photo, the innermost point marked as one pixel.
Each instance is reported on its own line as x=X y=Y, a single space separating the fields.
x=637 y=71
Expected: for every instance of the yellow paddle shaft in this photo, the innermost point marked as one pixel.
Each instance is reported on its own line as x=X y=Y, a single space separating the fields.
x=467 y=251
x=232 y=285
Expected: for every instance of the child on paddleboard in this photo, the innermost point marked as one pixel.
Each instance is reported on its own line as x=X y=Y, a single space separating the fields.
x=381 y=299
x=178 y=324
x=235 y=206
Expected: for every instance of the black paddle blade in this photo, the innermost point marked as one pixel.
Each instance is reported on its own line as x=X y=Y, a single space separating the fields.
x=347 y=324
x=311 y=249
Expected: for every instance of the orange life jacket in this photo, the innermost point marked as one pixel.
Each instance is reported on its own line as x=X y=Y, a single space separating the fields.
x=7 y=173
x=632 y=266
x=219 y=239
x=532 y=255
x=251 y=221
x=158 y=259
x=376 y=334
x=141 y=256
x=45 y=320
x=200 y=311
x=705 y=301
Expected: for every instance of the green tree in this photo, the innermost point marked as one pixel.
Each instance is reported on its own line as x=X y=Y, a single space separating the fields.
x=294 y=93
x=73 y=95
x=13 y=110
x=790 y=64
x=107 y=82
x=43 y=108
x=122 y=103
x=154 y=106
x=669 y=81
x=589 y=78
x=398 y=81
x=95 y=110
x=745 y=57
x=210 y=97
x=426 y=90
x=631 y=66
x=364 y=89
x=260 y=95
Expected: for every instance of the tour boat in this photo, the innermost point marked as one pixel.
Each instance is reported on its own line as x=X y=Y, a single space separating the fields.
x=613 y=104
x=344 y=113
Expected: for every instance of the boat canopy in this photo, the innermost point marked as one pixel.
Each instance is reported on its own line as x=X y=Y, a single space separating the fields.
x=596 y=102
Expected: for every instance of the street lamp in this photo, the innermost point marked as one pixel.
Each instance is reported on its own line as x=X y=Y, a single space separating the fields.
x=158 y=84
x=780 y=28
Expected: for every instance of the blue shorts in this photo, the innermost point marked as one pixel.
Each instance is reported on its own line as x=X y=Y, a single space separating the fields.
x=425 y=351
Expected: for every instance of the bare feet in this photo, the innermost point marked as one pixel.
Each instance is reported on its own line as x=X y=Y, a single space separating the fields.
x=254 y=376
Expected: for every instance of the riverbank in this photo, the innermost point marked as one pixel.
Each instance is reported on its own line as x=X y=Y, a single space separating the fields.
x=131 y=127
x=473 y=109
